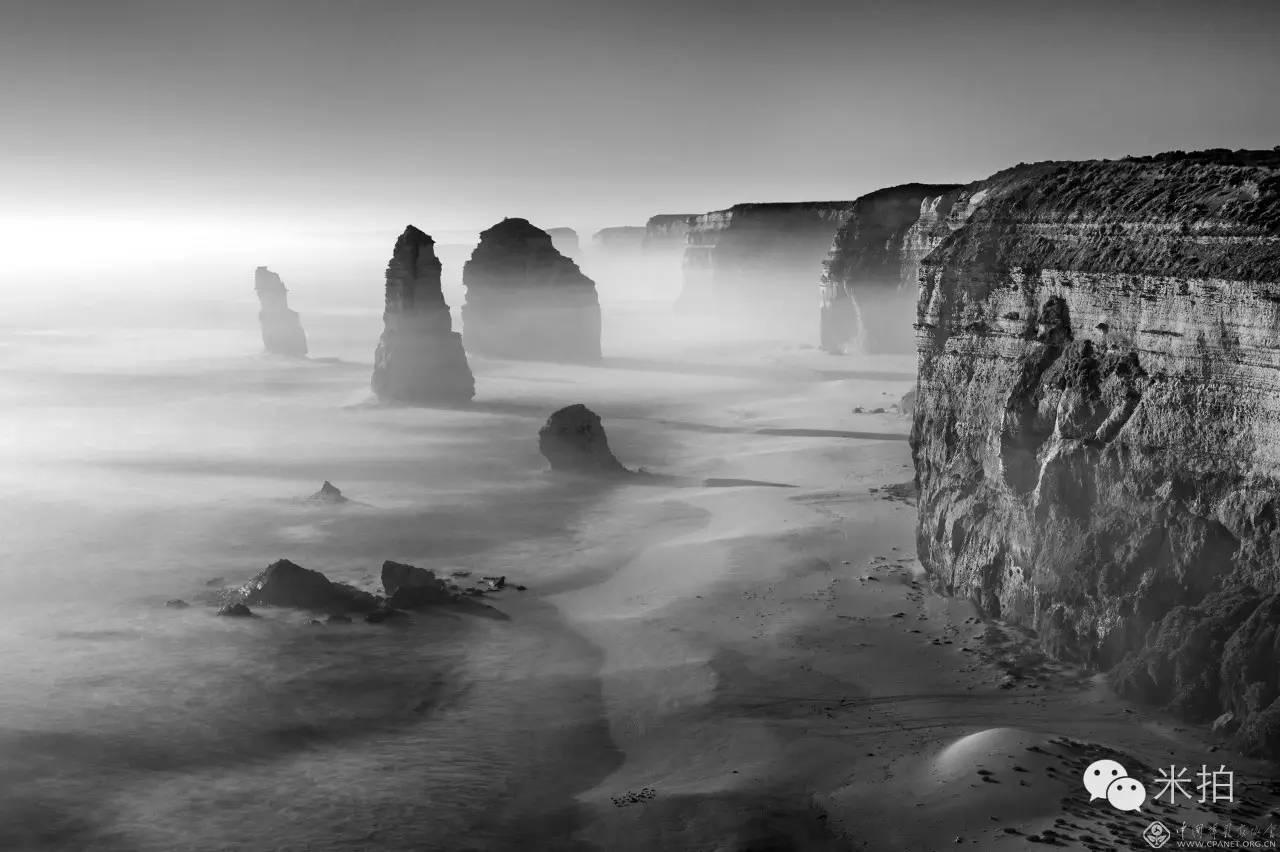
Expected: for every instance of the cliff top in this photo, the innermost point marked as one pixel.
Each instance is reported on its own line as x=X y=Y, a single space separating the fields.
x=785 y=206
x=1080 y=215
x=664 y=219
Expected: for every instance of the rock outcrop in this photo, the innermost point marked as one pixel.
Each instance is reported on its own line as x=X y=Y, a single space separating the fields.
x=759 y=257
x=566 y=242
x=525 y=300
x=1097 y=429
x=287 y=584
x=328 y=493
x=868 y=285
x=282 y=332
x=410 y=587
x=573 y=441
x=420 y=359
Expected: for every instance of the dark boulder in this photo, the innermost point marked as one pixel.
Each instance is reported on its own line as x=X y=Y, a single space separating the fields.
x=410 y=587
x=235 y=610
x=177 y=603
x=287 y=584
x=573 y=440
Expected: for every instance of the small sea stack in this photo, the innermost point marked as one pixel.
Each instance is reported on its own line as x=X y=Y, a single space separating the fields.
x=573 y=441
x=282 y=332
x=420 y=359
x=526 y=300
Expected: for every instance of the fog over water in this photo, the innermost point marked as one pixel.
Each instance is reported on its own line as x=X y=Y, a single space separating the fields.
x=148 y=449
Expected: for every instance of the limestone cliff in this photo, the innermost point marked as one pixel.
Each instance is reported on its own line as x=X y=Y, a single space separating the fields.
x=626 y=238
x=1097 y=427
x=759 y=256
x=666 y=232
x=566 y=241
x=868 y=286
x=526 y=300
x=419 y=359
x=282 y=332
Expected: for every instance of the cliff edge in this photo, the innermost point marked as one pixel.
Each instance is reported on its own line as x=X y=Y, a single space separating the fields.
x=1097 y=429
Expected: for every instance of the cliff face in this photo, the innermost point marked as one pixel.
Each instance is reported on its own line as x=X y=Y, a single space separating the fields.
x=627 y=238
x=566 y=241
x=666 y=232
x=759 y=256
x=526 y=300
x=1097 y=428
x=868 y=286
x=282 y=332
x=419 y=359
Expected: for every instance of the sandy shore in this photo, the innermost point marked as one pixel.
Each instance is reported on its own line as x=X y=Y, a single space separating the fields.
x=781 y=676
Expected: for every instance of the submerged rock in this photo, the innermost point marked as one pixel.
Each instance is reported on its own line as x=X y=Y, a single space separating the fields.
x=288 y=584
x=410 y=587
x=282 y=332
x=328 y=493
x=1097 y=430
x=573 y=440
x=420 y=359
x=526 y=300
x=235 y=610
x=176 y=603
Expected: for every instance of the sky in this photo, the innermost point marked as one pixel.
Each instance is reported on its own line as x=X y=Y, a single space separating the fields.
x=138 y=122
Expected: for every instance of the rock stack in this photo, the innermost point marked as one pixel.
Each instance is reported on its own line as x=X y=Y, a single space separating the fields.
x=573 y=441
x=282 y=332
x=420 y=359
x=526 y=300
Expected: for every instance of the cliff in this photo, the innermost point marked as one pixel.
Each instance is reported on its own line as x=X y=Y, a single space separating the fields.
x=666 y=232
x=759 y=256
x=526 y=300
x=627 y=238
x=420 y=359
x=868 y=285
x=566 y=241
x=1097 y=428
x=282 y=332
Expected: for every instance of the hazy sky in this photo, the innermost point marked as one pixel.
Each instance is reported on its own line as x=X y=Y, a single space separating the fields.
x=236 y=116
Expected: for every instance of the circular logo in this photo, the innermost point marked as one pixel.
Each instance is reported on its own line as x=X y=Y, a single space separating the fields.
x=1156 y=834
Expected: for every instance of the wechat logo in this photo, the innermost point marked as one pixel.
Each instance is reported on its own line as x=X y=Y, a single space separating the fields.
x=1156 y=834
x=1107 y=779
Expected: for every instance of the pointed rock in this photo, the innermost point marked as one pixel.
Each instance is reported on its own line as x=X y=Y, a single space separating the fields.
x=525 y=300
x=288 y=584
x=328 y=493
x=420 y=359
x=282 y=332
x=573 y=440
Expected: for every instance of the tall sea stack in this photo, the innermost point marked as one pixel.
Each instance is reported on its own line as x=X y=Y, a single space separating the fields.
x=1097 y=428
x=869 y=280
x=282 y=332
x=420 y=359
x=525 y=300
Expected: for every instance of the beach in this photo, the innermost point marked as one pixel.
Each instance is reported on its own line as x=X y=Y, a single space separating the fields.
x=737 y=650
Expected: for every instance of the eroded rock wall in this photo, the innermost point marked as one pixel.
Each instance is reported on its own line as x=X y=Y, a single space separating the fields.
x=1097 y=427
x=867 y=293
x=759 y=258
x=282 y=332
x=420 y=359
x=525 y=300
